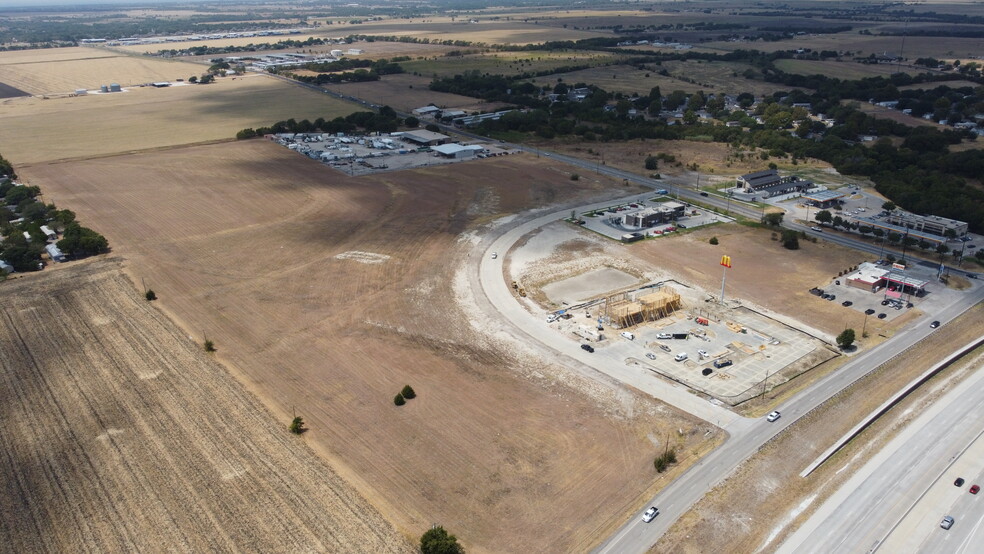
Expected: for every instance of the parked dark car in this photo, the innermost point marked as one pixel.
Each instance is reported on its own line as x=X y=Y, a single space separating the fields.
x=587 y=347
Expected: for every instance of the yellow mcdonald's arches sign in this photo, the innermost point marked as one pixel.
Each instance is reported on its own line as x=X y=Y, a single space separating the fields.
x=726 y=261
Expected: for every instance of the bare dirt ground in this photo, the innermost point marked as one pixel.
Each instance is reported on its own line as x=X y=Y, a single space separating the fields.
x=326 y=294
x=758 y=506
x=763 y=272
x=120 y=434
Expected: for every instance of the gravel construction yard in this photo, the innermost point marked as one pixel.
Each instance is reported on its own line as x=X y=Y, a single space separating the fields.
x=122 y=435
x=326 y=294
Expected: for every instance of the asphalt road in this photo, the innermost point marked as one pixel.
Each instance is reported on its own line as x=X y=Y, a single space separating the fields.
x=896 y=501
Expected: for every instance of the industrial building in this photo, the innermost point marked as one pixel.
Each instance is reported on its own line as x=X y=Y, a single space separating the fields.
x=425 y=138
x=472 y=120
x=457 y=151
x=426 y=111
x=770 y=183
x=930 y=224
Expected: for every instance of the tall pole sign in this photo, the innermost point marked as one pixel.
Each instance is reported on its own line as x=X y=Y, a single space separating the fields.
x=726 y=262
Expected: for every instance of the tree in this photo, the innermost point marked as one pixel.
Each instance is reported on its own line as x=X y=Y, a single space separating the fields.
x=150 y=295
x=790 y=239
x=433 y=128
x=824 y=216
x=773 y=219
x=411 y=122
x=714 y=241
x=408 y=392
x=438 y=541
x=845 y=339
x=193 y=79
x=206 y=79
x=209 y=345
x=889 y=206
x=297 y=426
x=652 y=162
x=399 y=400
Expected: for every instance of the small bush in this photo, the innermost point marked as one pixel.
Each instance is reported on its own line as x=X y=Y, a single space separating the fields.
x=660 y=464
x=714 y=241
x=398 y=400
x=575 y=177
x=408 y=392
x=150 y=295
x=297 y=426
x=209 y=346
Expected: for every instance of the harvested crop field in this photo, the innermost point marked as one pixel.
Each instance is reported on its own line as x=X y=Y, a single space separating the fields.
x=66 y=69
x=120 y=434
x=35 y=130
x=406 y=92
x=327 y=294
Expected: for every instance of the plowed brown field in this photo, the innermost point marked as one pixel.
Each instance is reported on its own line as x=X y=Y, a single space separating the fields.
x=121 y=435
x=326 y=294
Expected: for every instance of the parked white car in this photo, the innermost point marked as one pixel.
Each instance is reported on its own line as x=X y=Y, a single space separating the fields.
x=680 y=357
x=702 y=353
x=627 y=335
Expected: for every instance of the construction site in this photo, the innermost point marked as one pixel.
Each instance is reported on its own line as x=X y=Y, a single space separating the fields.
x=632 y=314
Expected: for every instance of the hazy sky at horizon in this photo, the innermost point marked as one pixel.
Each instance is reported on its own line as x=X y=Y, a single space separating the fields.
x=49 y=3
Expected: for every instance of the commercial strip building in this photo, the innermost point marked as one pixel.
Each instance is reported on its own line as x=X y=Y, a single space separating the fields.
x=929 y=228
x=769 y=183
x=823 y=199
x=872 y=277
x=648 y=217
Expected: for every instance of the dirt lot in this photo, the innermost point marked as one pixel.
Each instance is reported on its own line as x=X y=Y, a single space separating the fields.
x=326 y=294
x=62 y=70
x=34 y=130
x=843 y=70
x=506 y=63
x=763 y=272
x=757 y=507
x=120 y=434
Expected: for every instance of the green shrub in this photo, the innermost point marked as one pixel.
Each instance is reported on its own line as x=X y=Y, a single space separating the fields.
x=714 y=241
x=297 y=426
x=150 y=295
x=209 y=346
x=399 y=401
x=408 y=392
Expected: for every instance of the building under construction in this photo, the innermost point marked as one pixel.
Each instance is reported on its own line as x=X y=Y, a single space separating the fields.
x=624 y=311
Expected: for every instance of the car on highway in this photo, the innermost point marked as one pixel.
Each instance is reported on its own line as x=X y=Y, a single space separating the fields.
x=975 y=489
x=650 y=514
x=959 y=482
x=817 y=229
x=664 y=336
x=702 y=353
x=587 y=348
x=947 y=522
x=773 y=416
x=664 y=348
x=495 y=255
x=702 y=193
x=934 y=325
x=650 y=355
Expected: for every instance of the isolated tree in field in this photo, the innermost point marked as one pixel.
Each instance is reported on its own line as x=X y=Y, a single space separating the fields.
x=438 y=541
x=399 y=400
x=652 y=162
x=297 y=426
x=845 y=339
x=150 y=295
x=209 y=345
x=714 y=241
x=408 y=392
x=824 y=216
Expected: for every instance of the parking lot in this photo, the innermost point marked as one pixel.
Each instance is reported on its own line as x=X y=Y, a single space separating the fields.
x=601 y=221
